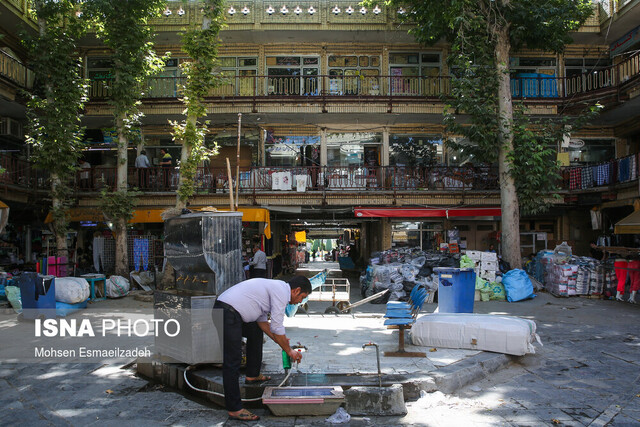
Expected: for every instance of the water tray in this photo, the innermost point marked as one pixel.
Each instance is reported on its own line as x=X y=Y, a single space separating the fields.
x=306 y=400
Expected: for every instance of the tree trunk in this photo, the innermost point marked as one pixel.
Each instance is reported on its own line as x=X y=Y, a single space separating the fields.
x=185 y=153
x=510 y=238
x=122 y=263
x=59 y=224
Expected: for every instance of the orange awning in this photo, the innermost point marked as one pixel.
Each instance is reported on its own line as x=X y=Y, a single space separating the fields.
x=146 y=216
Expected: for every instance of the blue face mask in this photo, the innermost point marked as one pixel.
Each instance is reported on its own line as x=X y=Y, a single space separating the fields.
x=291 y=310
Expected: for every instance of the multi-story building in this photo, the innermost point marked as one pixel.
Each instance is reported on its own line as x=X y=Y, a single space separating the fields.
x=341 y=126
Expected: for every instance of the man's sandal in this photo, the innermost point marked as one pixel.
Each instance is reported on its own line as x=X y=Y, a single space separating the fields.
x=259 y=379
x=244 y=415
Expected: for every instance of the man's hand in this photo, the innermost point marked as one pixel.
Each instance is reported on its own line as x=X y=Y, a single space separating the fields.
x=296 y=356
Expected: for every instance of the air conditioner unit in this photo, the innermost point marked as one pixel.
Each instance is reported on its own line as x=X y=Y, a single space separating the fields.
x=11 y=127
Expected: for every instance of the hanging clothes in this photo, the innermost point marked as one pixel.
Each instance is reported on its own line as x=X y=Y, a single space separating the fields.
x=98 y=253
x=587 y=178
x=633 y=169
x=596 y=220
x=602 y=176
x=141 y=254
x=623 y=170
x=621 y=266
x=634 y=275
x=575 y=180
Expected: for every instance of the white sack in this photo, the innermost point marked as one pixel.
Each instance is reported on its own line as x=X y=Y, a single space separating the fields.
x=500 y=334
x=72 y=290
x=117 y=286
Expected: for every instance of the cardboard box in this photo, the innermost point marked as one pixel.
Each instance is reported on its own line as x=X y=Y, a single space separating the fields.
x=488 y=275
x=474 y=255
x=489 y=265
x=489 y=256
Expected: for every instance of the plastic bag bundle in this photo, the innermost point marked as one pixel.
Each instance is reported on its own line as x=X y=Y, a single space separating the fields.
x=72 y=290
x=562 y=253
x=466 y=262
x=397 y=295
x=13 y=295
x=517 y=285
x=381 y=274
x=409 y=272
x=419 y=261
x=117 y=287
x=497 y=292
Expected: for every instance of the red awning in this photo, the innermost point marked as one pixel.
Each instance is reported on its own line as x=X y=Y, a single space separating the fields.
x=425 y=212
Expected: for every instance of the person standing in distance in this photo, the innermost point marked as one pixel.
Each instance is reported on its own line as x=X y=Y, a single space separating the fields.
x=259 y=263
x=166 y=162
x=142 y=164
x=246 y=306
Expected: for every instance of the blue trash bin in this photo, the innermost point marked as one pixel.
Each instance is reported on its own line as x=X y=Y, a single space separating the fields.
x=456 y=289
x=38 y=295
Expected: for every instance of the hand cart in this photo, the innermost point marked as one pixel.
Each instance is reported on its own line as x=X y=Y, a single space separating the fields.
x=347 y=308
x=336 y=290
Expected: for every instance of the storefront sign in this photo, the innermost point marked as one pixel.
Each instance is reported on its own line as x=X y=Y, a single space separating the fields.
x=576 y=143
x=625 y=42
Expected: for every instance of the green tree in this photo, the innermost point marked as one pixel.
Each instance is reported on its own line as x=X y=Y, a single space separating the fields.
x=54 y=106
x=124 y=27
x=482 y=34
x=201 y=44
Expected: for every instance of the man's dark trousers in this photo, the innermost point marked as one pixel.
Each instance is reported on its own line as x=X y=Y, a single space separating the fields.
x=234 y=330
x=258 y=273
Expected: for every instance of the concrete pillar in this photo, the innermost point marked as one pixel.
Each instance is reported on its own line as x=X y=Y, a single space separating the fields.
x=323 y=147
x=385 y=228
x=385 y=147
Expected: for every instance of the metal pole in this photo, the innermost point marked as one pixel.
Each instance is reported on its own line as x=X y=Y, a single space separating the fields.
x=238 y=159
x=230 y=177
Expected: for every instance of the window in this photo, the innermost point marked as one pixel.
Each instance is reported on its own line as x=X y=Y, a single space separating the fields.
x=293 y=75
x=424 y=235
x=292 y=150
x=415 y=73
x=415 y=150
x=240 y=76
x=354 y=75
x=348 y=149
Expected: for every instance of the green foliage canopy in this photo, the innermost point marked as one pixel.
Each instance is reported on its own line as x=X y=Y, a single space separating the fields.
x=201 y=44
x=58 y=97
x=472 y=27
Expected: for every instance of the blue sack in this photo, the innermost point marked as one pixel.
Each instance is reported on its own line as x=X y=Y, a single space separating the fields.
x=517 y=285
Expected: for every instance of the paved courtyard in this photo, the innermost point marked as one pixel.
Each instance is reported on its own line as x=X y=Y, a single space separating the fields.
x=587 y=373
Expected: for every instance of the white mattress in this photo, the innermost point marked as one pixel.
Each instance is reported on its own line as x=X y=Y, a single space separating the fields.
x=500 y=334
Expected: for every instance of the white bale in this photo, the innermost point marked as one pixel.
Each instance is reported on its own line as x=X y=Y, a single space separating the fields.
x=500 y=334
x=72 y=290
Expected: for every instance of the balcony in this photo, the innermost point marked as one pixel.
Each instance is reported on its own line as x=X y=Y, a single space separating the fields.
x=14 y=72
x=325 y=184
x=280 y=180
x=321 y=89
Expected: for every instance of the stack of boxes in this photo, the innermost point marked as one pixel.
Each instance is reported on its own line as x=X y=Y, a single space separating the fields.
x=489 y=266
x=561 y=279
x=486 y=264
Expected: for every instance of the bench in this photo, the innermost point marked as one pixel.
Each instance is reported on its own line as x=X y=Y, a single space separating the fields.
x=402 y=315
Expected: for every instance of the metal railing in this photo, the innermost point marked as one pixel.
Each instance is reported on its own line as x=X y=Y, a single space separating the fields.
x=19 y=173
x=525 y=86
x=15 y=71
x=302 y=178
